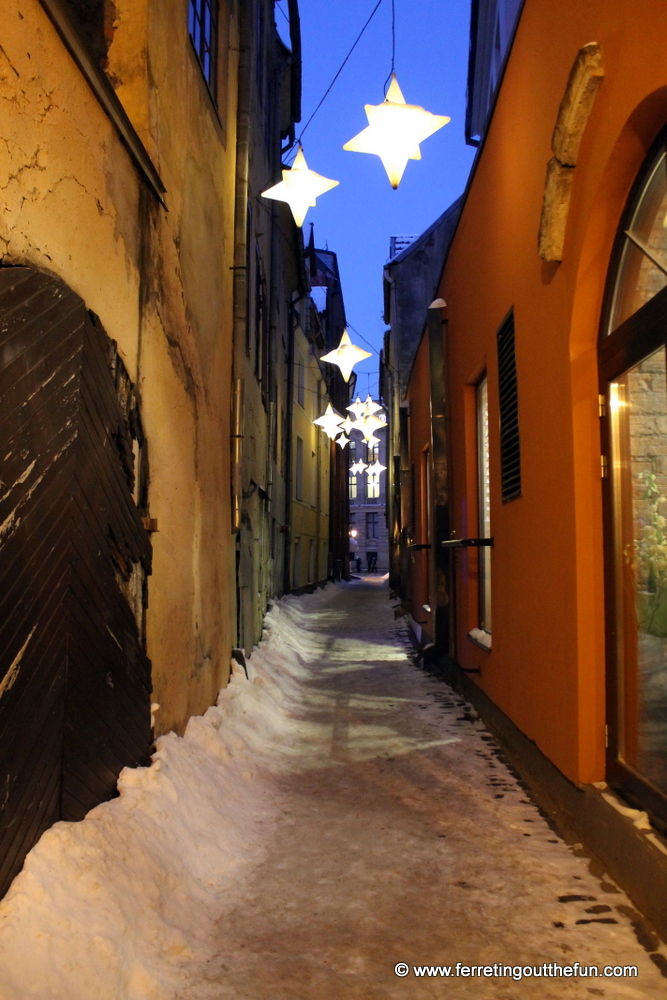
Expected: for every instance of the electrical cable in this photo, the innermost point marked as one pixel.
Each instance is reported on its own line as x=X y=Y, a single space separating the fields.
x=393 y=46
x=297 y=141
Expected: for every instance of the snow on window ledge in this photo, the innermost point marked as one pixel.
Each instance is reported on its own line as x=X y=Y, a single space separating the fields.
x=480 y=638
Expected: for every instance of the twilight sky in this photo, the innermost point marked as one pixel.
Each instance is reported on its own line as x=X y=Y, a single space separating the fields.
x=357 y=218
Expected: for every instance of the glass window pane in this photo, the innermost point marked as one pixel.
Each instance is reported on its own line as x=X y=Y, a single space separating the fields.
x=638 y=405
x=484 y=504
x=639 y=277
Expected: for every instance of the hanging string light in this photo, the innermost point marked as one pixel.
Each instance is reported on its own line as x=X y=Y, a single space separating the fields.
x=346 y=356
x=395 y=128
x=300 y=188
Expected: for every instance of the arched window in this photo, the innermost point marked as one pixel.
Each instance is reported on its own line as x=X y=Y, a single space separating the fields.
x=633 y=385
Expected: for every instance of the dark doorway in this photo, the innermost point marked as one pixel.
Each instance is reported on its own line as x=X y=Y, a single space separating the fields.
x=74 y=555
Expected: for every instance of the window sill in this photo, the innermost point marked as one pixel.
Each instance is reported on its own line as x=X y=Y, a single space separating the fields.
x=480 y=638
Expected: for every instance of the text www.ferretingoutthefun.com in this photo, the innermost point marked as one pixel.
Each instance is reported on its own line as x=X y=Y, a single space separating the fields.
x=549 y=970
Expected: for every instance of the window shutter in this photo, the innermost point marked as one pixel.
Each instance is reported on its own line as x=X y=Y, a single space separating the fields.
x=510 y=452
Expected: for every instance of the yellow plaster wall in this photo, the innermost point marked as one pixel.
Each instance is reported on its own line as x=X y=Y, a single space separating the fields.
x=72 y=203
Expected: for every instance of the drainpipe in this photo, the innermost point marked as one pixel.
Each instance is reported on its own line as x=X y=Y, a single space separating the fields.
x=240 y=294
x=441 y=583
x=287 y=523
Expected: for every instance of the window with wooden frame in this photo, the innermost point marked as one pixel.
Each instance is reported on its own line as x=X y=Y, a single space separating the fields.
x=632 y=354
x=483 y=502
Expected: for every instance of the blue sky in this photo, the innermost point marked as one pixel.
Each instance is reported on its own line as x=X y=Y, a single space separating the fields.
x=357 y=218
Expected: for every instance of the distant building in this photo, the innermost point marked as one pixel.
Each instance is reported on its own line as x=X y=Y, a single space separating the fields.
x=368 y=501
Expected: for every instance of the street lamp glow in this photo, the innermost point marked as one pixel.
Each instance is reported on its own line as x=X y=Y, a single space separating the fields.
x=300 y=188
x=394 y=132
x=346 y=356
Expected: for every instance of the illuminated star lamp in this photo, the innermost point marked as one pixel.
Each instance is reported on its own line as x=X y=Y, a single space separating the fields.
x=358 y=468
x=357 y=408
x=300 y=188
x=394 y=132
x=375 y=469
x=329 y=422
x=342 y=440
x=367 y=426
x=370 y=407
x=346 y=356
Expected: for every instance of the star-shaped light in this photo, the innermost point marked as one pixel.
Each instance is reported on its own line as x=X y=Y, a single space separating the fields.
x=358 y=468
x=342 y=440
x=394 y=132
x=357 y=408
x=375 y=469
x=368 y=424
x=348 y=425
x=300 y=188
x=329 y=422
x=370 y=406
x=346 y=356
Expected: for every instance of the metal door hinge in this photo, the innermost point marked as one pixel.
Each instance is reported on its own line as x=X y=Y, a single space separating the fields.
x=602 y=405
x=603 y=466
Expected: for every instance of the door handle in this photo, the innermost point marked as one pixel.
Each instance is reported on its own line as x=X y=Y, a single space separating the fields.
x=466 y=543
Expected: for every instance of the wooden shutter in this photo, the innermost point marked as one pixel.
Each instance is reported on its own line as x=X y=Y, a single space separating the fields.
x=510 y=452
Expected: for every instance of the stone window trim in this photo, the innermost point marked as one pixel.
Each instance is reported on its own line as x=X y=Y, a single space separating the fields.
x=106 y=97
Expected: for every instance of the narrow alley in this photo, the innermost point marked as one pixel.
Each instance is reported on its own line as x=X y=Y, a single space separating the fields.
x=402 y=837
x=341 y=813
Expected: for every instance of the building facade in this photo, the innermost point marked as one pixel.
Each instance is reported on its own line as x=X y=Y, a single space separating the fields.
x=538 y=453
x=158 y=366
x=368 y=503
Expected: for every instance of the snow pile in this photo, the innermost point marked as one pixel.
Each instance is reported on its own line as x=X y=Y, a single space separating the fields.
x=122 y=905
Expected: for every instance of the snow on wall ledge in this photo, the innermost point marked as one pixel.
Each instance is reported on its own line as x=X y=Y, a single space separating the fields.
x=122 y=905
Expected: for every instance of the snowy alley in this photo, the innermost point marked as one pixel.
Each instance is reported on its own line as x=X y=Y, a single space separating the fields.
x=340 y=812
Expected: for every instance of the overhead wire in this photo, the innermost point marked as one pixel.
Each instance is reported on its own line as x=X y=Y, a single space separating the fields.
x=297 y=141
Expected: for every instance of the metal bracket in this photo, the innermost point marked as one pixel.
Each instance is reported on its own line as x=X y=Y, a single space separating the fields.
x=466 y=543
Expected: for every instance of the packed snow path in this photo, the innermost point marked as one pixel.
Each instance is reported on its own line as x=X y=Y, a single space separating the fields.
x=401 y=837
x=339 y=813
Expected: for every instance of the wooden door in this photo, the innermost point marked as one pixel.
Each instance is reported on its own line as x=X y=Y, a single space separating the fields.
x=74 y=677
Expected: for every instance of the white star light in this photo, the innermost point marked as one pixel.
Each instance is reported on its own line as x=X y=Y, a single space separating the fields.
x=394 y=132
x=375 y=469
x=300 y=188
x=329 y=422
x=342 y=441
x=371 y=407
x=358 y=468
x=357 y=408
x=346 y=356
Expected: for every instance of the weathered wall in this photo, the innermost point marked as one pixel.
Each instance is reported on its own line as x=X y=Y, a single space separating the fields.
x=73 y=203
x=310 y=513
x=547 y=669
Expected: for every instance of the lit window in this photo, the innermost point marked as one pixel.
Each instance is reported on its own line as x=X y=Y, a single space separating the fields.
x=203 y=28
x=373 y=488
x=353 y=487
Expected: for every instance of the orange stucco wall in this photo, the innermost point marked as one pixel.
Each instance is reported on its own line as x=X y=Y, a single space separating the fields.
x=547 y=669
x=420 y=439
